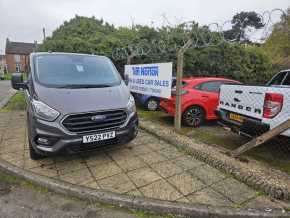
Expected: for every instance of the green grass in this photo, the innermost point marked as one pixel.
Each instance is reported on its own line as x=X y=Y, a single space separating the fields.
x=7 y=76
x=17 y=102
x=210 y=133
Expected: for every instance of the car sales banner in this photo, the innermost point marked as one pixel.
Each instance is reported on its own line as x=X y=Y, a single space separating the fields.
x=150 y=79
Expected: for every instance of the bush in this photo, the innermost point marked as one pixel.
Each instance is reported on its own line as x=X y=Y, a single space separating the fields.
x=246 y=64
x=89 y=35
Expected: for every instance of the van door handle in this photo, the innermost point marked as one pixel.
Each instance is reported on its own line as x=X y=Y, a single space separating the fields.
x=204 y=96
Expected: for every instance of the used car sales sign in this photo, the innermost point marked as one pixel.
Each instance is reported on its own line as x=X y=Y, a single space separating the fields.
x=150 y=79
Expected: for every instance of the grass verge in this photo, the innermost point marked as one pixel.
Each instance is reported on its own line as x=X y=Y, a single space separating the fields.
x=7 y=76
x=13 y=180
x=17 y=102
x=24 y=183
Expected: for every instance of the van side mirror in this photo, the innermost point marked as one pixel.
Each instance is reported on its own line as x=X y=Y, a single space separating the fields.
x=126 y=79
x=17 y=81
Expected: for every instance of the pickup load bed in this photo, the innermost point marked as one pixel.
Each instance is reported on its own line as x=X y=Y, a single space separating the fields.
x=254 y=110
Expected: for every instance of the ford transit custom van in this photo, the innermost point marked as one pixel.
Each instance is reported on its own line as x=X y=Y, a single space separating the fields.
x=75 y=103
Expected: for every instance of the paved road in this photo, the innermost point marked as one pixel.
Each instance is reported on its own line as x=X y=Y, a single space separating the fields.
x=146 y=167
x=17 y=202
x=6 y=92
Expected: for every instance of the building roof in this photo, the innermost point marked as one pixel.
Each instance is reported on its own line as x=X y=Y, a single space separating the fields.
x=21 y=48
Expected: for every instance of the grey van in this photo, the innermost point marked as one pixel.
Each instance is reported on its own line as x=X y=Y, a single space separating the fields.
x=75 y=103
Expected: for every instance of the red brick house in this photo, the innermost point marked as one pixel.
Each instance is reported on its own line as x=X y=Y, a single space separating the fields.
x=17 y=55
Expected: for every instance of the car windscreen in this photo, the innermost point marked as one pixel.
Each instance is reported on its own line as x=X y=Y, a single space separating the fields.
x=75 y=71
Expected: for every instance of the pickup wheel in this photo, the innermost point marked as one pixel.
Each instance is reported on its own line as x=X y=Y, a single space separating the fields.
x=152 y=104
x=194 y=116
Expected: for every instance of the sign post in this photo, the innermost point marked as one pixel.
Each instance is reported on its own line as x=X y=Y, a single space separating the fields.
x=179 y=75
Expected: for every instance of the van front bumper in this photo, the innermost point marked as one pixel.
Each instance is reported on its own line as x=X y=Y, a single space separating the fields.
x=59 y=140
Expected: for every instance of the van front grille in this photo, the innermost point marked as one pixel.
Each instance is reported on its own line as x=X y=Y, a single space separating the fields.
x=95 y=121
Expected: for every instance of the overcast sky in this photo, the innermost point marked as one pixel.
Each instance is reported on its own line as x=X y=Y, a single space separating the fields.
x=23 y=20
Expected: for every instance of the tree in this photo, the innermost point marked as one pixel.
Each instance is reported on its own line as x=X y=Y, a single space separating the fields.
x=90 y=35
x=240 y=23
x=249 y=65
x=277 y=46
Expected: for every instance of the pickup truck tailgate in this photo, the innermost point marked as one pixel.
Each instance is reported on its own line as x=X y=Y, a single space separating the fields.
x=244 y=100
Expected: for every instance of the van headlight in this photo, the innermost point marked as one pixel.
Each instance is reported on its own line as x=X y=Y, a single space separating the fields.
x=43 y=111
x=131 y=107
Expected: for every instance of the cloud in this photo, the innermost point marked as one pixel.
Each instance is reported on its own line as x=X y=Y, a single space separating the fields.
x=24 y=20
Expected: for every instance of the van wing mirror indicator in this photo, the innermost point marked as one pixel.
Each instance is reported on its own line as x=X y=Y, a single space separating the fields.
x=17 y=81
x=126 y=79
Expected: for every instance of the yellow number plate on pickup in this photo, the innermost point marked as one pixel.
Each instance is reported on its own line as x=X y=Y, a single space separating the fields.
x=237 y=117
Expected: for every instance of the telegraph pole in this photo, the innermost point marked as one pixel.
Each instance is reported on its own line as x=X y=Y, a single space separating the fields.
x=44 y=34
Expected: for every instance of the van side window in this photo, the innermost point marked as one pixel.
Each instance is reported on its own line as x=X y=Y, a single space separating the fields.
x=278 y=79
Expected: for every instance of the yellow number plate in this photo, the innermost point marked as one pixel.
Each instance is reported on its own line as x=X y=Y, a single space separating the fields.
x=236 y=117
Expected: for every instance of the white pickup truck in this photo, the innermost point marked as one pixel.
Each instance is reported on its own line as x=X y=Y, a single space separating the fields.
x=254 y=110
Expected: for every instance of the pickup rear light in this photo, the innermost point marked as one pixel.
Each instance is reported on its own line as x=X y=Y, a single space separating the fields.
x=272 y=105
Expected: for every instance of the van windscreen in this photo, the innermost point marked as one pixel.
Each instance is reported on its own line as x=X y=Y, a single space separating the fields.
x=75 y=71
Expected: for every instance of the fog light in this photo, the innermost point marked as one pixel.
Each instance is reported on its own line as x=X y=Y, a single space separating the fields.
x=42 y=141
x=45 y=141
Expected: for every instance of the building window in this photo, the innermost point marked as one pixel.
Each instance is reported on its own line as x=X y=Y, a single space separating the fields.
x=17 y=58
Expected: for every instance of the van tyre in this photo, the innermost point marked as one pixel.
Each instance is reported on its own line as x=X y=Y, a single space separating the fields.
x=33 y=154
x=194 y=116
x=152 y=104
